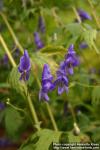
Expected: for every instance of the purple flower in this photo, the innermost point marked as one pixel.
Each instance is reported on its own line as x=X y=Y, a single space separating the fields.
x=83 y=15
x=2 y=105
x=47 y=84
x=62 y=81
x=5 y=59
x=38 y=41
x=41 y=25
x=71 y=60
x=24 y=66
x=83 y=45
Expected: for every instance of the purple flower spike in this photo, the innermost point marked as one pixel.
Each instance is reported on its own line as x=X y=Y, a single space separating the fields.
x=47 y=84
x=71 y=60
x=38 y=41
x=84 y=15
x=41 y=25
x=61 y=82
x=24 y=66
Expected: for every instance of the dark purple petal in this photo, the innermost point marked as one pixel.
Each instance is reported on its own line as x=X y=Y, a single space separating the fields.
x=41 y=24
x=46 y=74
x=71 y=71
x=66 y=89
x=83 y=45
x=60 y=90
x=25 y=62
x=5 y=59
x=84 y=15
x=24 y=66
x=2 y=105
x=25 y=76
x=47 y=84
x=43 y=95
x=71 y=49
x=19 y=69
x=37 y=40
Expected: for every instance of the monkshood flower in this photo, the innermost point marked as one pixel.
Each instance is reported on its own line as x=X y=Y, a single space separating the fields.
x=24 y=66
x=41 y=24
x=2 y=105
x=47 y=84
x=83 y=45
x=62 y=81
x=71 y=60
x=83 y=15
x=38 y=41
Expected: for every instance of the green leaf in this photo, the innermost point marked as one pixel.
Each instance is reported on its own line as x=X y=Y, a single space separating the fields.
x=13 y=122
x=89 y=36
x=96 y=95
x=96 y=135
x=74 y=28
x=83 y=121
x=73 y=138
x=53 y=49
x=14 y=81
x=41 y=139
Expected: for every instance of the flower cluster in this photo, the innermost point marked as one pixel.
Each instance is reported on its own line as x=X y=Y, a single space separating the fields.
x=37 y=40
x=24 y=66
x=83 y=15
x=66 y=68
x=47 y=84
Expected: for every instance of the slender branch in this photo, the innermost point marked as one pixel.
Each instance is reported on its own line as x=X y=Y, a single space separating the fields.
x=22 y=50
x=7 y=51
x=86 y=85
x=94 y=14
x=12 y=33
x=76 y=13
x=72 y=112
x=47 y=105
x=51 y=117
x=31 y=106
x=13 y=106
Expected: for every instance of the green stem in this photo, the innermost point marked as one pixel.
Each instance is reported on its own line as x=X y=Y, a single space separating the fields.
x=7 y=51
x=16 y=108
x=12 y=33
x=22 y=50
x=47 y=105
x=51 y=117
x=32 y=109
x=94 y=14
x=86 y=85
x=76 y=13
x=56 y=17
x=31 y=106
x=96 y=49
x=72 y=112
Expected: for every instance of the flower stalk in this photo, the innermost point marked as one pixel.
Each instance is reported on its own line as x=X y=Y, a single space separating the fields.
x=22 y=51
x=31 y=106
x=94 y=14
